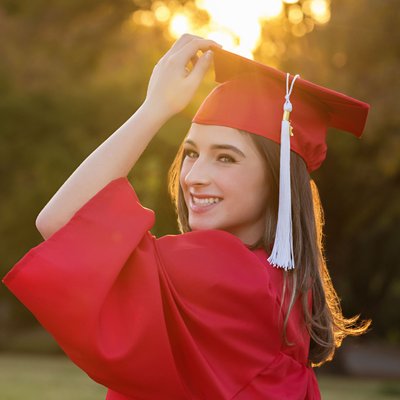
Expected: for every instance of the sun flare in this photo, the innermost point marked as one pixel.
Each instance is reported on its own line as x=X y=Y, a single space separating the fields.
x=237 y=25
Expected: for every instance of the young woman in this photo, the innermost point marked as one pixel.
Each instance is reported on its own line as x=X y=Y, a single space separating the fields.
x=240 y=305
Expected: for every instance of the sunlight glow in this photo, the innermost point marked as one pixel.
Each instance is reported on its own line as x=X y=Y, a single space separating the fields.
x=143 y=17
x=161 y=11
x=241 y=27
x=179 y=25
x=319 y=10
x=295 y=14
x=243 y=24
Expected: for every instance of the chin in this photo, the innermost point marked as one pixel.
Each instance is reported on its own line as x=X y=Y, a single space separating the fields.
x=202 y=226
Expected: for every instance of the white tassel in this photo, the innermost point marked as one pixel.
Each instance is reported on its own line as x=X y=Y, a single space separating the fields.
x=282 y=253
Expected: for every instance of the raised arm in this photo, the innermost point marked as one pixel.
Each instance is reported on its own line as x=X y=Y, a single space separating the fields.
x=170 y=89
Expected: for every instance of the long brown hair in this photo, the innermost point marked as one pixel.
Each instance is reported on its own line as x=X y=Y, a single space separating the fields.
x=326 y=324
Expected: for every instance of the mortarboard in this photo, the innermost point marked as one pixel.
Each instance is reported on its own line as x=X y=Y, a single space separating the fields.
x=252 y=96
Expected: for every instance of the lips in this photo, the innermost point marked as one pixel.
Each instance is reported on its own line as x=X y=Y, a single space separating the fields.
x=203 y=203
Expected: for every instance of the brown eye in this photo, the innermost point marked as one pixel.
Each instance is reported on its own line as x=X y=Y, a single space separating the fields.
x=225 y=158
x=190 y=153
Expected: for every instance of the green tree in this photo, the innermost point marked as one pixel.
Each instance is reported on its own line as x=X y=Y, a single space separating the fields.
x=72 y=72
x=358 y=53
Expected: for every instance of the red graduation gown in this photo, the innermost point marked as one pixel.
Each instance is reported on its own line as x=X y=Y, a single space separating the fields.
x=183 y=317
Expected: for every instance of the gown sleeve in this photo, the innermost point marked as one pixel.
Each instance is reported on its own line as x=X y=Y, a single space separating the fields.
x=184 y=317
x=94 y=286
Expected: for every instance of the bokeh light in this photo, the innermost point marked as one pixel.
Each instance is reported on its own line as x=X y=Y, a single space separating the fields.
x=161 y=12
x=319 y=10
x=179 y=25
x=295 y=14
x=238 y=26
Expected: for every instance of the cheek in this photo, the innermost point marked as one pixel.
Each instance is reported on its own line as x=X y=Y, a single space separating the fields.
x=254 y=187
x=183 y=173
x=261 y=187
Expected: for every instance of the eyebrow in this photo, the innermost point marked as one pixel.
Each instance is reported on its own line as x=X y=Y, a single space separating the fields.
x=219 y=147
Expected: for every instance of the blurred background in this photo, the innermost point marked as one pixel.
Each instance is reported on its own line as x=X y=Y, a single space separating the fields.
x=71 y=72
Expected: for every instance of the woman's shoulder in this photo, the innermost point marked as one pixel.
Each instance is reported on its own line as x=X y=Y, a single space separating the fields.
x=211 y=245
x=213 y=259
x=207 y=237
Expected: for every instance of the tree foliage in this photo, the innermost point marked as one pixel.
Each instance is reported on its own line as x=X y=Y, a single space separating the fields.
x=73 y=71
x=358 y=53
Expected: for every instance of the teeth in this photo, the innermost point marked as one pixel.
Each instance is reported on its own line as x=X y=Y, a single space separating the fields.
x=210 y=200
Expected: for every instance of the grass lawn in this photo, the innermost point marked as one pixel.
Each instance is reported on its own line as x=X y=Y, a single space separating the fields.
x=25 y=377
x=56 y=378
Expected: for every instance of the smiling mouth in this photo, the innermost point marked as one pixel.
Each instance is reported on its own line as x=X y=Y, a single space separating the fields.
x=205 y=201
x=197 y=204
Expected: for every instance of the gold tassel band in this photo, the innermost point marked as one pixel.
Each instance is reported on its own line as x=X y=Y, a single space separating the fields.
x=286 y=115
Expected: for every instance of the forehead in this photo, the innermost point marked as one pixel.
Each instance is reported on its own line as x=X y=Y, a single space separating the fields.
x=216 y=134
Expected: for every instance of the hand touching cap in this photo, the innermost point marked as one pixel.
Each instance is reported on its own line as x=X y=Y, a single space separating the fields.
x=172 y=83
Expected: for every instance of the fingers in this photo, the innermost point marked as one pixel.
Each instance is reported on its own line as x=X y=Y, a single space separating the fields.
x=188 y=52
x=172 y=83
x=194 y=59
x=194 y=42
x=200 y=69
x=182 y=41
x=185 y=38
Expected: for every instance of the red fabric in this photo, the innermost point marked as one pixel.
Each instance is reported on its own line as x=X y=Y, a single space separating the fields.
x=192 y=316
x=251 y=98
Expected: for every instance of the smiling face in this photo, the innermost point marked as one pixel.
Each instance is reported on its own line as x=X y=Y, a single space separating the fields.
x=224 y=182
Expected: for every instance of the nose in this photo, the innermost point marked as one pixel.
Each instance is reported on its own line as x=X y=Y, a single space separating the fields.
x=198 y=173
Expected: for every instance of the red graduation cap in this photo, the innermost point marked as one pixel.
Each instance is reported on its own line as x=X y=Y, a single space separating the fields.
x=252 y=96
